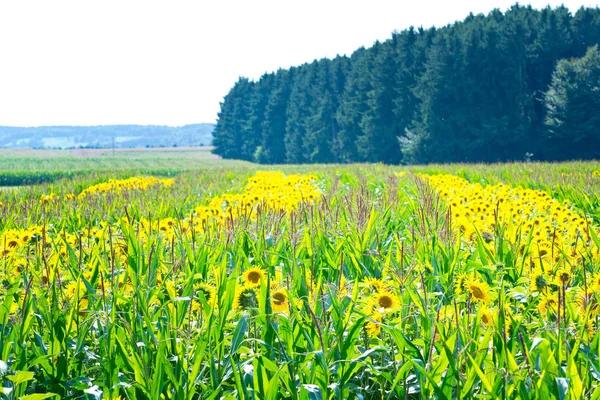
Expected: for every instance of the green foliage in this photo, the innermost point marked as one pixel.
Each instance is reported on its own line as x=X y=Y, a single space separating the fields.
x=467 y=92
x=572 y=103
x=138 y=336
x=24 y=167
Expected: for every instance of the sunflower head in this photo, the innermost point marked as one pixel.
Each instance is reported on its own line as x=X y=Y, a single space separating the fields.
x=208 y=291
x=25 y=237
x=447 y=313
x=596 y=282
x=74 y=289
x=373 y=284
x=485 y=316
x=563 y=277
x=538 y=281
x=279 y=301
x=373 y=325
x=253 y=276
x=246 y=297
x=461 y=282
x=479 y=291
x=12 y=243
x=548 y=303
x=384 y=302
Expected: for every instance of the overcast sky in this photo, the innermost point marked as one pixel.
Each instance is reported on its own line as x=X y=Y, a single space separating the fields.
x=83 y=62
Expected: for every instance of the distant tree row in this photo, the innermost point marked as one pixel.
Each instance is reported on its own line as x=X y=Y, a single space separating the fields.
x=489 y=88
x=105 y=136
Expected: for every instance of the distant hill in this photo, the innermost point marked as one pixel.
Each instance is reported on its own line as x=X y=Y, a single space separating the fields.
x=103 y=136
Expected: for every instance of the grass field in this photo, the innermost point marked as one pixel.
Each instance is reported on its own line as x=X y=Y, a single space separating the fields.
x=25 y=166
x=312 y=282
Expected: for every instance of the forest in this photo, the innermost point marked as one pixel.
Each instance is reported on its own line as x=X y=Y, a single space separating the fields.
x=517 y=85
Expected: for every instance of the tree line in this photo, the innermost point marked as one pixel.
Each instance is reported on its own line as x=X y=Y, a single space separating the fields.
x=496 y=87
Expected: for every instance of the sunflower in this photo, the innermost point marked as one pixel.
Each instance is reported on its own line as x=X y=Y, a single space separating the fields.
x=12 y=242
x=26 y=237
x=170 y=289
x=589 y=328
x=374 y=284
x=384 y=302
x=208 y=291
x=374 y=324
x=480 y=291
x=544 y=249
x=279 y=301
x=19 y=265
x=538 y=281
x=562 y=277
x=461 y=282
x=74 y=289
x=246 y=297
x=596 y=282
x=83 y=305
x=548 y=303
x=253 y=276
x=14 y=307
x=485 y=316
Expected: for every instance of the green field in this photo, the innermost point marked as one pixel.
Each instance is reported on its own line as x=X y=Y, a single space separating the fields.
x=18 y=167
x=306 y=282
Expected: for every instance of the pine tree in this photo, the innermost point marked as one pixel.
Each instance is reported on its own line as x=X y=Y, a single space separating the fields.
x=353 y=105
x=379 y=124
x=320 y=122
x=298 y=113
x=572 y=103
x=258 y=103
x=410 y=64
x=272 y=147
x=439 y=130
x=233 y=120
x=585 y=28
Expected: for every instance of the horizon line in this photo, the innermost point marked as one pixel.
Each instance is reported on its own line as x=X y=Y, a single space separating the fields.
x=103 y=125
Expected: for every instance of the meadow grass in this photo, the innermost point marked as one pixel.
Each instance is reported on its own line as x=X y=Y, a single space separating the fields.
x=26 y=166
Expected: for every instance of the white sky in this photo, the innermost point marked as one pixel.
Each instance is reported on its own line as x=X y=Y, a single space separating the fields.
x=170 y=62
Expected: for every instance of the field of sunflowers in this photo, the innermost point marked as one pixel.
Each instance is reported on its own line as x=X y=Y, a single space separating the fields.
x=316 y=282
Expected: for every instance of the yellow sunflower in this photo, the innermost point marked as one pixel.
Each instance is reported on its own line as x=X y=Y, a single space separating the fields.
x=12 y=242
x=18 y=265
x=480 y=291
x=74 y=289
x=373 y=284
x=209 y=292
x=253 y=276
x=548 y=303
x=279 y=301
x=538 y=281
x=562 y=277
x=384 y=302
x=83 y=305
x=374 y=324
x=485 y=316
x=461 y=282
x=447 y=313
x=595 y=284
x=26 y=237
x=246 y=297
